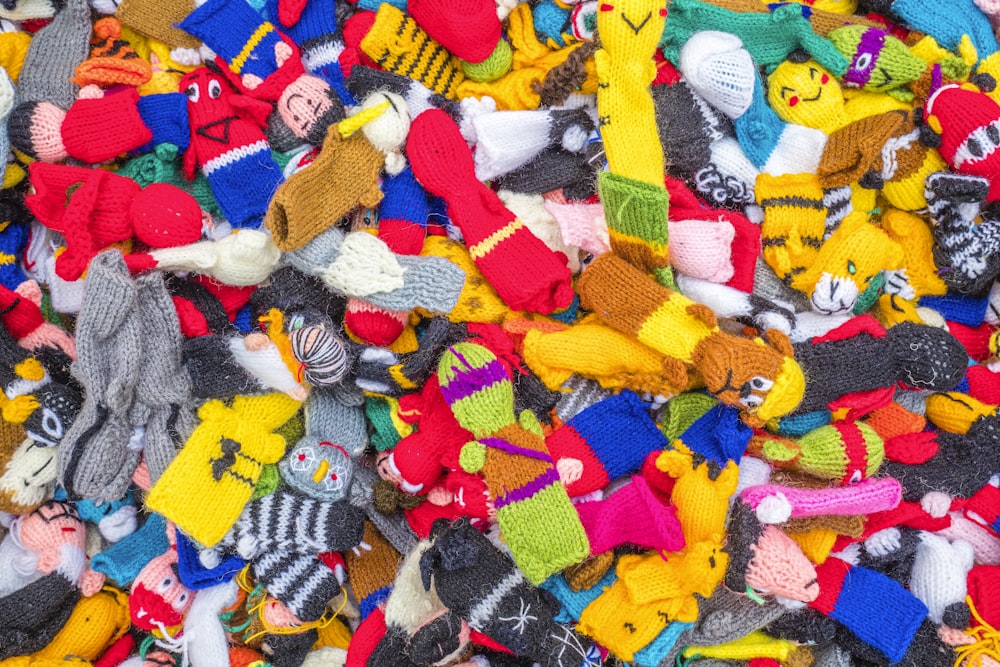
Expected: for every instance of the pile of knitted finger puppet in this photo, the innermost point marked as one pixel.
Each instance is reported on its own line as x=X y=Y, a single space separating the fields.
x=500 y=333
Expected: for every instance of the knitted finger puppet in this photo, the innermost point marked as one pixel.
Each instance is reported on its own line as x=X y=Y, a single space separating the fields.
x=316 y=466
x=813 y=250
x=938 y=578
x=590 y=454
x=27 y=476
x=768 y=37
x=399 y=45
x=343 y=177
x=480 y=584
x=766 y=560
x=96 y=623
x=158 y=600
x=229 y=147
x=112 y=60
x=471 y=31
x=39 y=610
x=224 y=456
x=22 y=317
x=96 y=460
x=94 y=209
x=282 y=548
x=653 y=589
x=964 y=20
x=941 y=473
x=845 y=452
x=856 y=598
x=914 y=355
x=534 y=512
x=443 y=164
x=760 y=378
x=965 y=248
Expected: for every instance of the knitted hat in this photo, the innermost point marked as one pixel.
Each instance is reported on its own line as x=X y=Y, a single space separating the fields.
x=435 y=141
x=717 y=66
x=112 y=60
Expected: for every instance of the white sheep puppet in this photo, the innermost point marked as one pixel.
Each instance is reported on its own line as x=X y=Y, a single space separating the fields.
x=938 y=578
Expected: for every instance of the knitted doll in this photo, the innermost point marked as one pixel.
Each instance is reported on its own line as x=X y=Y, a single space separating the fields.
x=229 y=147
x=534 y=512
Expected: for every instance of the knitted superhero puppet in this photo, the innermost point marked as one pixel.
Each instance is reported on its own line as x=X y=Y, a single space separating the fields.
x=882 y=63
x=481 y=585
x=533 y=510
x=914 y=355
x=229 y=146
x=760 y=378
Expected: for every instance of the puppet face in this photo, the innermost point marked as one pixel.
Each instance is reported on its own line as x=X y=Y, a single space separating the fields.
x=630 y=25
x=27 y=478
x=308 y=106
x=318 y=469
x=806 y=94
x=878 y=61
x=158 y=597
x=52 y=525
x=209 y=103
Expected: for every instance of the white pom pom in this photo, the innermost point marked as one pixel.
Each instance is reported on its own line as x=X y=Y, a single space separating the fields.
x=774 y=509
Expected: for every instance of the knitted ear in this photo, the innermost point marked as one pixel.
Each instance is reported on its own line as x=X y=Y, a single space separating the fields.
x=428 y=561
x=779 y=341
x=928 y=136
x=984 y=81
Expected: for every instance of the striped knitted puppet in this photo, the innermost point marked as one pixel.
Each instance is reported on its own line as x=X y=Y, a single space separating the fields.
x=632 y=190
x=536 y=517
x=762 y=379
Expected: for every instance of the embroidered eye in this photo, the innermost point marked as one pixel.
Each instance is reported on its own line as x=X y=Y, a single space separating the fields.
x=180 y=601
x=851 y=269
x=752 y=402
x=214 y=89
x=863 y=61
x=761 y=383
x=165 y=584
x=193 y=92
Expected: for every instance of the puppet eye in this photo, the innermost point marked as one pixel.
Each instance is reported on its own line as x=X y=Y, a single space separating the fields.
x=214 y=89
x=974 y=147
x=851 y=269
x=761 y=383
x=752 y=401
x=863 y=61
x=193 y=92
x=165 y=584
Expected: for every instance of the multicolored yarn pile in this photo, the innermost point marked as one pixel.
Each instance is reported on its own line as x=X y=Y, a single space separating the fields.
x=495 y=333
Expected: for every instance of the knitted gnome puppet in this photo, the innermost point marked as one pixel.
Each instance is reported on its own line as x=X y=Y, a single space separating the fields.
x=533 y=510
x=229 y=146
x=915 y=355
x=267 y=65
x=761 y=379
x=480 y=584
x=39 y=610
